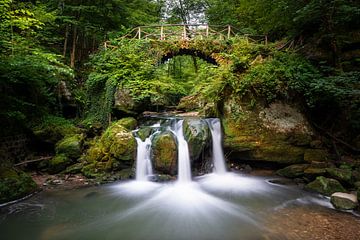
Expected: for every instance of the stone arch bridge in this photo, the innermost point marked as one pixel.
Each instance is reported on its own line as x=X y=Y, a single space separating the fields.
x=207 y=42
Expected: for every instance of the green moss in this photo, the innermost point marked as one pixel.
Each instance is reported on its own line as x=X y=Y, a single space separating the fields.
x=15 y=184
x=326 y=186
x=129 y=123
x=343 y=175
x=70 y=146
x=58 y=163
x=165 y=152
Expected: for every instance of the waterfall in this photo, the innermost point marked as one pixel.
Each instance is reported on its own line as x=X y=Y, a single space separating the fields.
x=184 y=170
x=143 y=161
x=218 y=155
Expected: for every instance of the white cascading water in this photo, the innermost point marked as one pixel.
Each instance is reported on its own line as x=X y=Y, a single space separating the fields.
x=143 y=161
x=184 y=169
x=218 y=154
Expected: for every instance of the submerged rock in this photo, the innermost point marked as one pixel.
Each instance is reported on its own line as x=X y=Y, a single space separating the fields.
x=326 y=186
x=197 y=134
x=164 y=151
x=15 y=184
x=344 y=201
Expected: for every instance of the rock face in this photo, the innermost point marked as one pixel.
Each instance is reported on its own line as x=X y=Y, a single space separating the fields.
x=197 y=134
x=15 y=184
x=129 y=123
x=164 y=151
x=342 y=175
x=278 y=133
x=124 y=101
x=344 y=201
x=326 y=186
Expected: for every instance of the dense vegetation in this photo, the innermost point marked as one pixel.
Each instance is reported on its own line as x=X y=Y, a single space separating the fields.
x=53 y=65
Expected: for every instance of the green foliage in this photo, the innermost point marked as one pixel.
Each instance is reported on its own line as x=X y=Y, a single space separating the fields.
x=52 y=129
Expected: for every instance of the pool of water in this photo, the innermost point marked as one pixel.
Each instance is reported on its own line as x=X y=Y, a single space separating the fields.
x=227 y=206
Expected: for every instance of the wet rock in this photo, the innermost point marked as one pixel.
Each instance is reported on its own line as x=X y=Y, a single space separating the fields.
x=70 y=146
x=197 y=134
x=326 y=186
x=317 y=144
x=315 y=155
x=344 y=201
x=293 y=171
x=343 y=175
x=15 y=184
x=144 y=132
x=164 y=150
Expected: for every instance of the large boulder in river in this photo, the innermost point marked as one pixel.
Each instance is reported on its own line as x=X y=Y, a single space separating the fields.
x=278 y=133
x=326 y=186
x=344 y=201
x=342 y=175
x=114 y=150
x=197 y=134
x=165 y=153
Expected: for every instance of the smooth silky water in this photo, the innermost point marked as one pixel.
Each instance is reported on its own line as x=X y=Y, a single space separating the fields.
x=220 y=205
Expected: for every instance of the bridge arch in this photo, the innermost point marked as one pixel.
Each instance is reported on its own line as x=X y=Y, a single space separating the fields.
x=191 y=52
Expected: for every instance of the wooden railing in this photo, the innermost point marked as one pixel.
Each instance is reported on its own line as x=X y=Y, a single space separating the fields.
x=189 y=32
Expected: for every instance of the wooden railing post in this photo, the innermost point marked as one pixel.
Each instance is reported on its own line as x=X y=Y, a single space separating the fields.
x=139 y=33
x=207 y=30
x=184 y=33
x=229 y=32
x=266 y=40
x=162 y=33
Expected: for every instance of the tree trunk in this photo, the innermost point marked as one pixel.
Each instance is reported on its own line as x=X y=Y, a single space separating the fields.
x=73 y=50
x=66 y=40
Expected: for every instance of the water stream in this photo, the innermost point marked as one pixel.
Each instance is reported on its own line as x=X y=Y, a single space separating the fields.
x=221 y=205
x=218 y=154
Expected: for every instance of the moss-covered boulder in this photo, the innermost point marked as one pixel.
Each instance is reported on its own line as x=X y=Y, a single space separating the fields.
x=326 y=186
x=70 y=146
x=15 y=184
x=119 y=142
x=58 y=163
x=113 y=151
x=164 y=150
x=129 y=123
x=343 y=175
x=315 y=155
x=293 y=171
x=197 y=134
x=344 y=201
